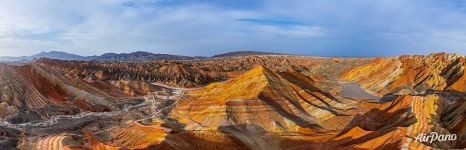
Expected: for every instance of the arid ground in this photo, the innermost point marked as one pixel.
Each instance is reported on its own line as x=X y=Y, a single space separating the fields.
x=235 y=102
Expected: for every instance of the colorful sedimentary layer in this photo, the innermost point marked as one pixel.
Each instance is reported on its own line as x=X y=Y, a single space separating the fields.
x=261 y=102
x=261 y=109
x=36 y=92
x=130 y=136
x=198 y=73
x=410 y=74
x=288 y=105
x=457 y=75
x=53 y=142
x=16 y=91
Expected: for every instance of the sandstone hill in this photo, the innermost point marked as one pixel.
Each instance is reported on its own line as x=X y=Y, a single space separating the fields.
x=412 y=74
x=244 y=102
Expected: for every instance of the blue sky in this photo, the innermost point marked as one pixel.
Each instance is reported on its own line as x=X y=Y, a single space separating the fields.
x=208 y=27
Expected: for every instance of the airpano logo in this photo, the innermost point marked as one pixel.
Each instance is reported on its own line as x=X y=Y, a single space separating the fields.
x=434 y=136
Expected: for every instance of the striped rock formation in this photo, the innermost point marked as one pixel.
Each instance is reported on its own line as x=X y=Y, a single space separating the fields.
x=403 y=74
x=262 y=102
x=53 y=142
x=134 y=135
x=198 y=73
x=290 y=102
x=129 y=136
x=17 y=91
x=232 y=115
x=37 y=87
x=397 y=124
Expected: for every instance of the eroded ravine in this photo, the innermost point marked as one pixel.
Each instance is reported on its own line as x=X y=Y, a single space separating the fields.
x=354 y=90
x=85 y=116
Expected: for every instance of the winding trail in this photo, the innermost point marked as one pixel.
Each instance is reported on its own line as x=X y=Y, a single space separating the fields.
x=177 y=97
x=56 y=119
x=148 y=99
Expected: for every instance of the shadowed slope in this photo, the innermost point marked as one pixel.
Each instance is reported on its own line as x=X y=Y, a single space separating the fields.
x=410 y=74
x=260 y=91
x=17 y=91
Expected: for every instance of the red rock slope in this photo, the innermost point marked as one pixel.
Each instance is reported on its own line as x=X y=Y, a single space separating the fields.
x=288 y=104
x=411 y=74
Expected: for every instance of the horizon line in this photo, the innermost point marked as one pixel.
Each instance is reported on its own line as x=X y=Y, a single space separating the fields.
x=263 y=51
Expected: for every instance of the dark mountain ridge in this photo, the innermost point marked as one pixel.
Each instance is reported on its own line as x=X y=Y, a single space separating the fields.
x=246 y=53
x=51 y=54
x=140 y=56
x=133 y=56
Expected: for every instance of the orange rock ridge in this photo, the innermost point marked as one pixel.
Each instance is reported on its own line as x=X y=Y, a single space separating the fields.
x=391 y=75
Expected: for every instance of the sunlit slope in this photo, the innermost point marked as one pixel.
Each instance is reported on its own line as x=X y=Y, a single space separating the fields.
x=410 y=74
x=263 y=109
x=263 y=98
x=40 y=89
x=16 y=91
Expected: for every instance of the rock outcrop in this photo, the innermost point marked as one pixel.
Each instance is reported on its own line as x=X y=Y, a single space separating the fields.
x=412 y=74
x=199 y=73
x=37 y=89
x=289 y=105
x=248 y=102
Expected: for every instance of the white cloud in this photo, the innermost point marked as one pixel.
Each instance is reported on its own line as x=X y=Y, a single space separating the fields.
x=204 y=28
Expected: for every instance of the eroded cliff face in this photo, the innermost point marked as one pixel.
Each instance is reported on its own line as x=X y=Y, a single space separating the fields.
x=199 y=73
x=410 y=74
x=38 y=101
x=262 y=109
x=251 y=102
x=32 y=88
x=288 y=105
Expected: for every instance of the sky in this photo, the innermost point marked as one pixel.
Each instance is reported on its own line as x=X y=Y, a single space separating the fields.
x=208 y=27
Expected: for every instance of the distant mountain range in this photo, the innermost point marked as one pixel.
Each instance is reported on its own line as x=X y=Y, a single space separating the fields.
x=51 y=55
x=134 y=56
x=141 y=56
x=246 y=53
